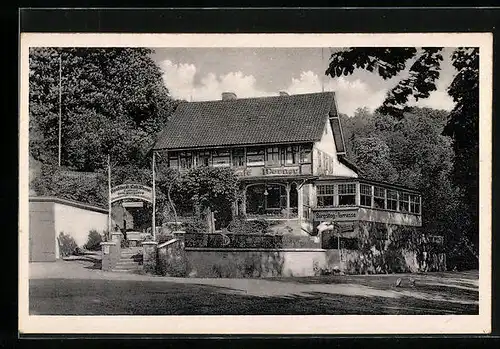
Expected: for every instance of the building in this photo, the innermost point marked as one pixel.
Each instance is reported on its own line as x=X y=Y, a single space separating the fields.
x=51 y=216
x=290 y=155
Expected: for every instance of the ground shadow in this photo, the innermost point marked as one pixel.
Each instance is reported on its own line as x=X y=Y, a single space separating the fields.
x=134 y=297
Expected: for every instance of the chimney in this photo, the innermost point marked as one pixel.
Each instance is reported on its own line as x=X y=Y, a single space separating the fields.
x=283 y=93
x=226 y=96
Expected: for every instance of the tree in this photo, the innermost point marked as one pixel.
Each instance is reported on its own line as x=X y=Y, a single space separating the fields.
x=372 y=156
x=422 y=158
x=211 y=189
x=113 y=102
x=463 y=122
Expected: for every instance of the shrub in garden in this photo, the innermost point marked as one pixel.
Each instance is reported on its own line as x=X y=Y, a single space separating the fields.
x=164 y=237
x=242 y=226
x=195 y=226
x=67 y=245
x=93 y=241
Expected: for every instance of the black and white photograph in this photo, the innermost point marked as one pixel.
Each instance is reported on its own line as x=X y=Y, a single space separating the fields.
x=292 y=175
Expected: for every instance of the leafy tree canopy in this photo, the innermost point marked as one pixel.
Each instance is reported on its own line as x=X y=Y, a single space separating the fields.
x=113 y=101
x=462 y=123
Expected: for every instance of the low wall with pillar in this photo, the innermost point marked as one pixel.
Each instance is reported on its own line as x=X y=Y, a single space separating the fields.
x=111 y=252
x=243 y=263
x=149 y=255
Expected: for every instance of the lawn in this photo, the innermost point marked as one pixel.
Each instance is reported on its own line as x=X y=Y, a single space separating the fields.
x=443 y=293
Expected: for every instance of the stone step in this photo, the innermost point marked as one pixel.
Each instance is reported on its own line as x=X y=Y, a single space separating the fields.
x=126 y=262
x=127 y=253
x=130 y=271
x=127 y=267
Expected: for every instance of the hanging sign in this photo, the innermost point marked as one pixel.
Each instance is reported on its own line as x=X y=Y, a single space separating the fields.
x=131 y=191
x=132 y=204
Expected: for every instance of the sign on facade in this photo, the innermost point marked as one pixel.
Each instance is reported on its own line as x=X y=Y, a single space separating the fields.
x=336 y=215
x=132 y=191
x=281 y=171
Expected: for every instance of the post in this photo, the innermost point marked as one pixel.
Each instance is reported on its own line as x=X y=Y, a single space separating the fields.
x=153 y=230
x=60 y=100
x=109 y=195
x=244 y=202
x=287 y=200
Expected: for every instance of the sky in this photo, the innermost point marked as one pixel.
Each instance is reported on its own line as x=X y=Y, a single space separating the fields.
x=200 y=74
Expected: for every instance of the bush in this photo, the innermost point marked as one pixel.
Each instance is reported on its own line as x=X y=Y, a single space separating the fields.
x=93 y=241
x=242 y=226
x=164 y=237
x=195 y=226
x=67 y=245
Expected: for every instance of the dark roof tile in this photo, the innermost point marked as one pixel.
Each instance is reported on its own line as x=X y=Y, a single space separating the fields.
x=280 y=119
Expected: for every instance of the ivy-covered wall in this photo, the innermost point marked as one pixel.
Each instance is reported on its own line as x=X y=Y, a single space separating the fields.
x=386 y=248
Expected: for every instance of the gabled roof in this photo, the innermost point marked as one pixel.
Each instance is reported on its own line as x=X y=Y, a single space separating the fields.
x=246 y=121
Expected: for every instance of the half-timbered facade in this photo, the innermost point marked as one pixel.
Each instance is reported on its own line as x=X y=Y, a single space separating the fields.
x=289 y=153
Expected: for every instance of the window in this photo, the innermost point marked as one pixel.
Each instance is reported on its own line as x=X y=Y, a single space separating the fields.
x=292 y=155
x=392 y=200
x=204 y=158
x=273 y=156
x=379 y=197
x=173 y=160
x=221 y=158
x=238 y=157
x=414 y=204
x=347 y=194
x=325 y=195
x=255 y=156
x=404 y=202
x=305 y=154
x=365 y=195
x=186 y=160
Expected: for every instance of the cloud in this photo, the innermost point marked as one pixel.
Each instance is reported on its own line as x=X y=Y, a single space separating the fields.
x=180 y=80
x=351 y=94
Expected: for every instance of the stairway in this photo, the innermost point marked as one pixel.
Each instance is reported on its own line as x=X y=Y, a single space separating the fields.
x=130 y=261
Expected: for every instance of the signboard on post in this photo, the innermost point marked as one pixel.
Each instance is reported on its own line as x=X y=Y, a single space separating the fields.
x=131 y=191
x=336 y=215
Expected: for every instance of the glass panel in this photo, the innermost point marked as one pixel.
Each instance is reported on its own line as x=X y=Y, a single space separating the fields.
x=325 y=201
x=326 y=189
x=347 y=200
x=379 y=192
x=186 y=160
x=365 y=200
x=173 y=160
x=404 y=202
x=392 y=200
x=204 y=158
x=292 y=153
x=273 y=156
x=305 y=154
x=239 y=157
x=255 y=156
x=347 y=188
x=366 y=189
x=365 y=195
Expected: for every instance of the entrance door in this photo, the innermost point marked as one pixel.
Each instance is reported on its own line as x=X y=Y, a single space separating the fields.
x=273 y=197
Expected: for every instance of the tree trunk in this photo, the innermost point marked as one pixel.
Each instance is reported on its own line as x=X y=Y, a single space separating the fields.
x=172 y=203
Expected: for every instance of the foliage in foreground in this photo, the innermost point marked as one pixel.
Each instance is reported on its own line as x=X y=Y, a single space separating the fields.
x=67 y=245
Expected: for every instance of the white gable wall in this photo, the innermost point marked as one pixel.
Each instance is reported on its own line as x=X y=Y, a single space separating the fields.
x=327 y=145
